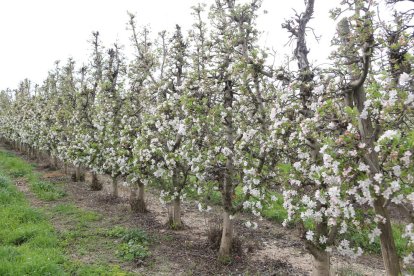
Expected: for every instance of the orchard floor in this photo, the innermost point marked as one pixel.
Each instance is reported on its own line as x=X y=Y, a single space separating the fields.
x=269 y=250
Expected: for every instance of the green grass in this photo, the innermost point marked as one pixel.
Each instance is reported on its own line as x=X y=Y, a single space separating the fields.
x=76 y=214
x=274 y=210
x=79 y=269
x=29 y=245
x=46 y=190
x=16 y=167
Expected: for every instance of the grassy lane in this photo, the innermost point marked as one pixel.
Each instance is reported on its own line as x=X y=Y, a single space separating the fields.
x=29 y=244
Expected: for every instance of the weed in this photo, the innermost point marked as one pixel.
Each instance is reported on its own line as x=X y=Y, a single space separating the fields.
x=116 y=232
x=133 y=251
x=134 y=243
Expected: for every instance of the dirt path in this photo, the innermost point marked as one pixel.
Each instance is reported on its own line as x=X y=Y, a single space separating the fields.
x=269 y=250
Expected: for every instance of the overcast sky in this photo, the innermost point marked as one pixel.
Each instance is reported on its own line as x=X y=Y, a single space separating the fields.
x=36 y=33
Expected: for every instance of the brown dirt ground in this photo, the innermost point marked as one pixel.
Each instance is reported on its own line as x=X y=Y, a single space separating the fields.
x=269 y=250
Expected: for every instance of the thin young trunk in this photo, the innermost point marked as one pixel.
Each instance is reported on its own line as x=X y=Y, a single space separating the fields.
x=174 y=214
x=321 y=264
x=95 y=184
x=114 y=186
x=137 y=198
x=226 y=238
x=227 y=189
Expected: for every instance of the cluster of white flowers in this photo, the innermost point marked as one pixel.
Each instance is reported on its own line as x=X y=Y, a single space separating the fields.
x=388 y=135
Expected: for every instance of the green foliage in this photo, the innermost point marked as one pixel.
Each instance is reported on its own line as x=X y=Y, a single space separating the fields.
x=134 y=243
x=133 y=251
x=116 y=232
x=360 y=238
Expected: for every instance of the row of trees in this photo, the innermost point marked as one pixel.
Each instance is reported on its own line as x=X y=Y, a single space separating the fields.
x=206 y=111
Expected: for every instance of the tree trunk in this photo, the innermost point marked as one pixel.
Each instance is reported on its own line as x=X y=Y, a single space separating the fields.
x=137 y=198
x=321 y=264
x=33 y=153
x=357 y=97
x=227 y=188
x=38 y=154
x=388 y=250
x=79 y=175
x=174 y=214
x=95 y=184
x=114 y=186
x=226 y=238
x=53 y=162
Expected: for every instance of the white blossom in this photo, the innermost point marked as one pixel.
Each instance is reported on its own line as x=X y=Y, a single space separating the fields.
x=404 y=78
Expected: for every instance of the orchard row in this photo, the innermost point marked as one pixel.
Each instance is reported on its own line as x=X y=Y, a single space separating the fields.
x=207 y=111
